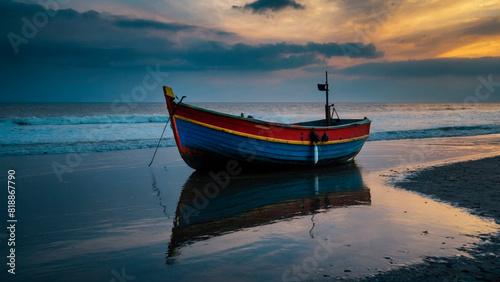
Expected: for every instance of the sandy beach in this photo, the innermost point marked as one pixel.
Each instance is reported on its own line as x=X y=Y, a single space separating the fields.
x=106 y=215
x=475 y=186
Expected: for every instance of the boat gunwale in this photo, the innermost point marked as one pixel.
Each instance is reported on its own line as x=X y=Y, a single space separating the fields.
x=356 y=122
x=271 y=139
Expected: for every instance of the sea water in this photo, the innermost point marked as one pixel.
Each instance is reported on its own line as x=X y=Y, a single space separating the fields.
x=34 y=129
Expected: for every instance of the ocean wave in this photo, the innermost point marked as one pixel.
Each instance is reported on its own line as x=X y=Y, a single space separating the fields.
x=75 y=120
x=447 y=131
x=81 y=147
x=56 y=147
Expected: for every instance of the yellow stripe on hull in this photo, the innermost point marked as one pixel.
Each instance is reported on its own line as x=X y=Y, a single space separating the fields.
x=270 y=139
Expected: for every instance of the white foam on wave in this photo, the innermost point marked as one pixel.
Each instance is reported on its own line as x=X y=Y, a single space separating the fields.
x=81 y=147
x=72 y=120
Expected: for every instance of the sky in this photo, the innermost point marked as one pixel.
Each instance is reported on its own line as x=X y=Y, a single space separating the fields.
x=250 y=50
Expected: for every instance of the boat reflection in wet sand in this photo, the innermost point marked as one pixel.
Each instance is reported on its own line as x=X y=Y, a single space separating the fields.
x=254 y=199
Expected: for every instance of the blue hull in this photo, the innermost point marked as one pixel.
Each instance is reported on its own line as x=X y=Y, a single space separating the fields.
x=208 y=145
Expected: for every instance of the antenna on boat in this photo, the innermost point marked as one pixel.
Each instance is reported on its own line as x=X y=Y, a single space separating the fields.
x=324 y=87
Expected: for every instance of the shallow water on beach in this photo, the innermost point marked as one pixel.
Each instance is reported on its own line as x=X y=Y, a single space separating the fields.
x=112 y=217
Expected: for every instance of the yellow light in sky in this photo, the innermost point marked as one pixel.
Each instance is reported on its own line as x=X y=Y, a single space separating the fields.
x=415 y=30
x=486 y=47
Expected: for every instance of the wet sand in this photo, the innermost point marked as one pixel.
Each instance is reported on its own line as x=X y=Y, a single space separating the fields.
x=104 y=215
x=473 y=185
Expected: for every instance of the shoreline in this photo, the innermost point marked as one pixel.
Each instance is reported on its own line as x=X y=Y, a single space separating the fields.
x=473 y=185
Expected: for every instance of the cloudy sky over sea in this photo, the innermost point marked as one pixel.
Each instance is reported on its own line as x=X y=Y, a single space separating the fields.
x=245 y=50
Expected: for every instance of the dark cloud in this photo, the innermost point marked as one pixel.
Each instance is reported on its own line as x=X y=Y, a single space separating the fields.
x=140 y=23
x=262 y=6
x=124 y=22
x=427 y=68
x=97 y=40
x=489 y=26
x=351 y=50
x=219 y=55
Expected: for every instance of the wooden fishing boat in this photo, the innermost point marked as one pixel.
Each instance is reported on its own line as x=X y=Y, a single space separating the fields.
x=208 y=139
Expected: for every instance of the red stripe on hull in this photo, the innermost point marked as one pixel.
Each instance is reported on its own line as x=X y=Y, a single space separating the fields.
x=268 y=129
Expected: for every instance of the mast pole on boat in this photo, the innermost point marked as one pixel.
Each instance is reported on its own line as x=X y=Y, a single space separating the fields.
x=324 y=87
x=327 y=107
